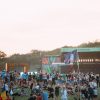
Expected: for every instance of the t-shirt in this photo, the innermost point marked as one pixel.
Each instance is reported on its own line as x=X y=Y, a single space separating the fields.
x=39 y=98
x=0 y=98
x=95 y=92
x=64 y=94
x=94 y=84
x=57 y=91
x=6 y=87
x=45 y=96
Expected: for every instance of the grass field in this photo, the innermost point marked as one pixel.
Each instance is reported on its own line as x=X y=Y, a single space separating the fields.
x=28 y=92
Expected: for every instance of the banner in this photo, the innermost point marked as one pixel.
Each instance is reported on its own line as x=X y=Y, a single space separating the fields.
x=71 y=57
x=47 y=63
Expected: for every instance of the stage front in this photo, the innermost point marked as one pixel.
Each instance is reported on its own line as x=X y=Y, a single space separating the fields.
x=89 y=59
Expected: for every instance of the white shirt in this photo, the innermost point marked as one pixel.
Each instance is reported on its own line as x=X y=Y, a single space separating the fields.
x=6 y=87
x=64 y=94
x=94 y=84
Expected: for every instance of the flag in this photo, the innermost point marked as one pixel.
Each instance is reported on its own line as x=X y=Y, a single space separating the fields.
x=71 y=57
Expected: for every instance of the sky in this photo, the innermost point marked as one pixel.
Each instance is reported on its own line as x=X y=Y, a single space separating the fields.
x=47 y=24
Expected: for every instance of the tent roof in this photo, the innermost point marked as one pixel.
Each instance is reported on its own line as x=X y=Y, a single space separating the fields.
x=94 y=49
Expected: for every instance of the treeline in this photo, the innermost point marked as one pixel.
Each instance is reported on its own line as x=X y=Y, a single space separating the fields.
x=34 y=57
x=90 y=44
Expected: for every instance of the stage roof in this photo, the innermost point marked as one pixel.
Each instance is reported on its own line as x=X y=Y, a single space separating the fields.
x=94 y=49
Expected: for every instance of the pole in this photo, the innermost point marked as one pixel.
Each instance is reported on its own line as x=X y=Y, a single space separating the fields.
x=78 y=71
x=25 y=69
x=40 y=61
x=6 y=67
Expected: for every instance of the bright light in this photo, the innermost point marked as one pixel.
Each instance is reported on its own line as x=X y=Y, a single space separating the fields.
x=21 y=73
x=30 y=73
x=35 y=72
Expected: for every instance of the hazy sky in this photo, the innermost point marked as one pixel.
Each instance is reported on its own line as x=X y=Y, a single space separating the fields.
x=47 y=24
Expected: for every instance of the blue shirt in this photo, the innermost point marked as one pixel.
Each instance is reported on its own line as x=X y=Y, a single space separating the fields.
x=45 y=96
x=64 y=94
x=25 y=76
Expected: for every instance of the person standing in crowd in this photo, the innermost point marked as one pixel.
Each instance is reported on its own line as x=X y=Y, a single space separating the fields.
x=6 y=87
x=53 y=78
x=39 y=97
x=91 y=93
x=45 y=95
x=97 y=80
x=64 y=94
x=51 y=92
x=8 y=97
x=57 y=91
x=95 y=89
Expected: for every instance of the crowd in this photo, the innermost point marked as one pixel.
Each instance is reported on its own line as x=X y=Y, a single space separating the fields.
x=45 y=86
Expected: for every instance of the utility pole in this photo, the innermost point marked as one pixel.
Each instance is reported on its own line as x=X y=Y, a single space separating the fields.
x=40 y=53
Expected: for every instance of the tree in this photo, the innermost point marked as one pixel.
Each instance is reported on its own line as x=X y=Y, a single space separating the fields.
x=2 y=55
x=2 y=60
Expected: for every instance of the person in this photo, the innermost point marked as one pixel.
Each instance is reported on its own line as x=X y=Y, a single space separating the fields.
x=0 y=97
x=95 y=89
x=97 y=80
x=91 y=93
x=23 y=92
x=8 y=97
x=31 y=86
x=45 y=95
x=53 y=79
x=57 y=91
x=51 y=92
x=11 y=92
x=64 y=95
x=6 y=87
x=83 y=91
x=39 y=97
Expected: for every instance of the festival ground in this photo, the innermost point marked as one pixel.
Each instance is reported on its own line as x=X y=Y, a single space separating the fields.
x=52 y=86
x=28 y=91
